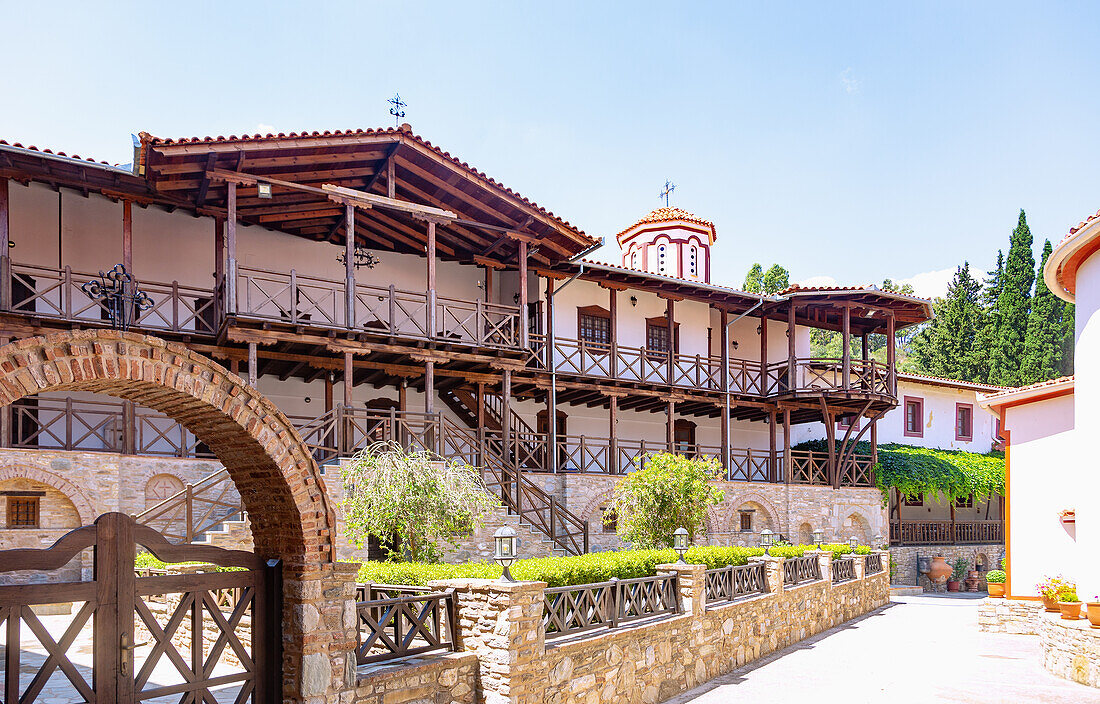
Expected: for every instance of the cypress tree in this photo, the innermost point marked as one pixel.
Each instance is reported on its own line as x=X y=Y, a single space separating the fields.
x=983 y=343
x=754 y=280
x=945 y=348
x=1045 y=331
x=776 y=279
x=1013 y=305
x=1069 y=335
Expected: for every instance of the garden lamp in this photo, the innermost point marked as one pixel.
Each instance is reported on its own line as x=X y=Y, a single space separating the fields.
x=819 y=537
x=853 y=542
x=506 y=544
x=878 y=540
x=680 y=543
x=766 y=537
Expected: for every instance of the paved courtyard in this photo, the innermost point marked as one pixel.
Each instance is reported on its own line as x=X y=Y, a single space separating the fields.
x=916 y=649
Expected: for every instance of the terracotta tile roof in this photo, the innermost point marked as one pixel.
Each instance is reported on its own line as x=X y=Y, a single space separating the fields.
x=668 y=277
x=668 y=215
x=929 y=379
x=870 y=288
x=1060 y=381
x=33 y=148
x=404 y=130
x=1082 y=224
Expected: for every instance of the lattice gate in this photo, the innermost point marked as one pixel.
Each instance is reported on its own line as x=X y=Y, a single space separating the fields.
x=208 y=637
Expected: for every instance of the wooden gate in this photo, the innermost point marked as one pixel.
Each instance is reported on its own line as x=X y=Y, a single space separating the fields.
x=204 y=637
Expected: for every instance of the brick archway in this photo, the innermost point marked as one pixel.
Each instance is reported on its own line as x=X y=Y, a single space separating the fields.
x=278 y=480
x=83 y=505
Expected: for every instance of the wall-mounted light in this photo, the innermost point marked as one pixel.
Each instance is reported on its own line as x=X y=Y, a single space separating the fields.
x=733 y=344
x=263 y=190
x=11 y=245
x=515 y=298
x=307 y=399
x=634 y=301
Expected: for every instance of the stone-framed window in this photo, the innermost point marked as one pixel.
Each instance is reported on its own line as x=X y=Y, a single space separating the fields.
x=23 y=511
x=609 y=519
x=745 y=517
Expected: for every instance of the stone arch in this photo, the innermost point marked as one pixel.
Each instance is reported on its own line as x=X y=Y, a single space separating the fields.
x=750 y=499
x=277 y=478
x=83 y=505
x=859 y=525
x=593 y=506
x=805 y=534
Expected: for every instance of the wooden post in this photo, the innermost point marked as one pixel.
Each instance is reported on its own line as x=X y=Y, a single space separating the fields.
x=522 y=255
x=5 y=243
x=891 y=373
x=846 y=360
x=349 y=266
x=128 y=236
x=874 y=448
x=552 y=392
x=231 y=245
x=391 y=180
x=830 y=437
x=772 y=468
x=481 y=418
x=791 y=359
x=613 y=434
x=724 y=337
x=506 y=415
x=349 y=378
x=489 y=285
x=329 y=435
x=669 y=307
x=429 y=387
x=670 y=427
x=763 y=353
x=219 y=269
x=129 y=428
x=432 y=331
x=952 y=521
x=788 y=461
x=613 y=309
x=252 y=364
x=6 y=409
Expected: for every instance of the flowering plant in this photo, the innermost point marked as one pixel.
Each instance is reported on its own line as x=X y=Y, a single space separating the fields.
x=1051 y=586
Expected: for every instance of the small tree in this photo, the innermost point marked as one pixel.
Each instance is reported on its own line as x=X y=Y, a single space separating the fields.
x=425 y=503
x=671 y=492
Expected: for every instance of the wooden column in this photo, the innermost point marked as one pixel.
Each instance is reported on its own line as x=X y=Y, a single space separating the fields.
x=891 y=373
x=349 y=378
x=252 y=365
x=429 y=387
x=724 y=353
x=552 y=392
x=403 y=395
x=481 y=418
x=866 y=347
x=763 y=354
x=231 y=248
x=613 y=322
x=788 y=461
x=830 y=438
x=349 y=265
x=5 y=410
x=669 y=307
x=329 y=393
x=792 y=374
x=219 y=268
x=670 y=427
x=5 y=244
x=773 y=470
x=489 y=285
x=952 y=521
x=613 y=434
x=345 y=424
x=506 y=415
x=873 y=432
x=431 y=280
x=846 y=360
x=391 y=180
x=129 y=428
x=128 y=236
x=522 y=256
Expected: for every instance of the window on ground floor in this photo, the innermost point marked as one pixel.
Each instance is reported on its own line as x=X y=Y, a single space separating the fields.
x=23 y=511
x=964 y=421
x=746 y=520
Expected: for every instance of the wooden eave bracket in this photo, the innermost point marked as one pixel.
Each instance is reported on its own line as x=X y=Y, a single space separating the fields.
x=367 y=200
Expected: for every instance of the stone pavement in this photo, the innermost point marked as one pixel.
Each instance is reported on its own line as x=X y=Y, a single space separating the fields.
x=916 y=649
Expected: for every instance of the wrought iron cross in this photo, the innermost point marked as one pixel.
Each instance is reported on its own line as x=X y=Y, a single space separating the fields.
x=669 y=188
x=396 y=110
x=361 y=258
x=116 y=293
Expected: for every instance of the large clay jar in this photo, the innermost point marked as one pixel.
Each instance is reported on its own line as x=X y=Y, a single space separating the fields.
x=939 y=570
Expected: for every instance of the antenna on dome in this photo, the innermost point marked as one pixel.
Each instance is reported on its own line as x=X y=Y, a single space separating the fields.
x=669 y=188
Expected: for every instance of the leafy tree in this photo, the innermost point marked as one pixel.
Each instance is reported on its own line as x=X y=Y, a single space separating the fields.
x=754 y=280
x=1045 y=331
x=391 y=492
x=1013 y=304
x=980 y=361
x=945 y=347
x=776 y=279
x=671 y=492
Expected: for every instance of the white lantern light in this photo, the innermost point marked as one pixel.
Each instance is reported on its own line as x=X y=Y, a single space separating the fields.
x=853 y=542
x=819 y=537
x=680 y=542
x=506 y=547
x=878 y=541
x=766 y=537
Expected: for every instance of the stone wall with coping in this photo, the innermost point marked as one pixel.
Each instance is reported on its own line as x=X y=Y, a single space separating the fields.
x=1021 y=616
x=433 y=679
x=1071 y=649
x=500 y=623
x=905 y=559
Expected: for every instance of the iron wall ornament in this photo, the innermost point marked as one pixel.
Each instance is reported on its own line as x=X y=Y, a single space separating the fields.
x=116 y=293
x=362 y=258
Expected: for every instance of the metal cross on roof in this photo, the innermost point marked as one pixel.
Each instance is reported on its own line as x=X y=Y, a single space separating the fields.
x=669 y=188
x=396 y=110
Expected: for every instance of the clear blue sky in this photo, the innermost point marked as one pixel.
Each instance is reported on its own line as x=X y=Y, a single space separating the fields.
x=848 y=140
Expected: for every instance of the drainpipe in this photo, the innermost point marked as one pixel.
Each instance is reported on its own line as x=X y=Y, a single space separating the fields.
x=726 y=457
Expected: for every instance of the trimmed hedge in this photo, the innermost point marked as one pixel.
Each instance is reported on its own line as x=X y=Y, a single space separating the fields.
x=582 y=569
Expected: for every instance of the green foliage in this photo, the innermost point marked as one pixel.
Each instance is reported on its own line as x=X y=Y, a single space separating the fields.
x=995 y=577
x=1043 y=341
x=1068 y=596
x=959 y=568
x=389 y=491
x=754 y=280
x=671 y=492
x=1013 y=305
x=944 y=474
x=583 y=569
x=946 y=347
x=776 y=279
x=1051 y=587
x=829 y=344
x=146 y=560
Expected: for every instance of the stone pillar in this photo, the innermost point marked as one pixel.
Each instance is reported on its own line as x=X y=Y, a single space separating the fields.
x=825 y=561
x=692 y=586
x=773 y=573
x=860 y=564
x=319 y=623
x=502 y=623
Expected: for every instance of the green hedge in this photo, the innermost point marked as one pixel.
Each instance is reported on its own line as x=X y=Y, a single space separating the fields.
x=944 y=474
x=582 y=569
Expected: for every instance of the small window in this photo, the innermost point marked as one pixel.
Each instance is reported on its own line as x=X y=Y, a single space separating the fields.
x=964 y=502
x=595 y=328
x=22 y=512
x=634 y=260
x=746 y=521
x=913 y=501
x=846 y=422
x=914 y=417
x=609 y=519
x=693 y=263
x=964 y=422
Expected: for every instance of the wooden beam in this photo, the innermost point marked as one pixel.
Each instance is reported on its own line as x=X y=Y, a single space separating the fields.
x=127 y=236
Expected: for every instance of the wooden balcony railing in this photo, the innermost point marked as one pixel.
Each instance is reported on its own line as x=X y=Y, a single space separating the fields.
x=55 y=293
x=385 y=310
x=946 y=532
x=827 y=375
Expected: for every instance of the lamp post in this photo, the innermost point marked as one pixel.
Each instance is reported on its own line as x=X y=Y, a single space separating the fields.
x=819 y=537
x=680 y=543
x=853 y=542
x=506 y=545
x=878 y=542
x=766 y=538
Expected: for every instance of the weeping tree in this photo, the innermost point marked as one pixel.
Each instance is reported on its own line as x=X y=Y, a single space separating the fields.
x=671 y=492
x=425 y=503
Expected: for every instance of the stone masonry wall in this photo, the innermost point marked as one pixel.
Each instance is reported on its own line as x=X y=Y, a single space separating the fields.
x=905 y=559
x=1020 y=616
x=501 y=624
x=447 y=679
x=1071 y=649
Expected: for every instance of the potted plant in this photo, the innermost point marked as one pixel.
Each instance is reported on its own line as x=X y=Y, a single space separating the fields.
x=1069 y=604
x=1049 y=589
x=958 y=574
x=1092 y=610
x=995 y=583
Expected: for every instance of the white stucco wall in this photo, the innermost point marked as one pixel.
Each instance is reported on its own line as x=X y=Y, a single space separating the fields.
x=939 y=419
x=1087 y=413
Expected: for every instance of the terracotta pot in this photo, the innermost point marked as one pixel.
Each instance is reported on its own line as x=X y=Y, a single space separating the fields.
x=972 y=584
x=973 y=574
x=1050 y=604
x=997 y=591
x=1071 y=610
x=1092 y=610
x=939 y=569
x=952 y=586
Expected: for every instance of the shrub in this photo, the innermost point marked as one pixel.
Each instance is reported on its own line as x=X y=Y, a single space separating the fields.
x=672 y=491
x=959 y=569
x=1050 y=587
x=1068 y=596
x=995 y=577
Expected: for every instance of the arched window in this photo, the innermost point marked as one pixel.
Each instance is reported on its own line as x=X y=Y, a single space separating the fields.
x=662 y=258
x=634 y=259
x=693 y=260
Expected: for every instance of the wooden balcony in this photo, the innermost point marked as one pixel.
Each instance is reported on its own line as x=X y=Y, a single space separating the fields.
x=946 y=532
